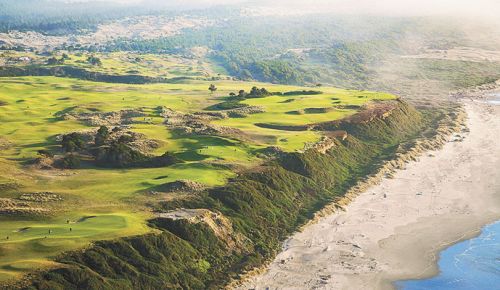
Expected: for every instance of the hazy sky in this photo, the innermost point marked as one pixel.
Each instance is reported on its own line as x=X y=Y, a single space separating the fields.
x=400 y=7
x=386 y=7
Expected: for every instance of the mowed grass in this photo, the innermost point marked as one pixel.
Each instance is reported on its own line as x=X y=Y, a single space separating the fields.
x=29 y=121
x=301 y=110
x=25 y=245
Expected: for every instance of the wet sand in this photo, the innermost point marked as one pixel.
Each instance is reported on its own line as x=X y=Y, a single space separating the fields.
x=395 y=230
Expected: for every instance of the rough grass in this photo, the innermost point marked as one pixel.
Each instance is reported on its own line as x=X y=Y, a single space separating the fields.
x=29 y=243
x=264 y=208
x=30 y=120
x=278 y=112
x=119 y=63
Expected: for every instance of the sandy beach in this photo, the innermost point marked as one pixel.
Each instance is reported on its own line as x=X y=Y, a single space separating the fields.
x=395 y=230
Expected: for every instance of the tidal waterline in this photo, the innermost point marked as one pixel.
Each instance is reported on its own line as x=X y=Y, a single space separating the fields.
x=471 y=264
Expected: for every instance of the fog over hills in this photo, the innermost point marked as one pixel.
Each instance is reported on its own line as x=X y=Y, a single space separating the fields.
x=383 y=7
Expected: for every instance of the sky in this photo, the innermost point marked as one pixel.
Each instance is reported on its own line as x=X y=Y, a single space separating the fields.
x=408 y=7
x=397 y=7
x=487 y=8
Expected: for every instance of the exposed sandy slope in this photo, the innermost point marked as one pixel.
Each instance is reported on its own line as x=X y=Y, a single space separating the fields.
x=394 y=230
x=460 y=54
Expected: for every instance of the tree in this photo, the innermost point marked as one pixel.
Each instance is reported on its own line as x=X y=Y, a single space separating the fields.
x=166 y=159
x=257 y=93
x=125 y=139
x=120 y=155
x=52 y=61
x=212 y=88
x=101 y=136
x=55 y=61
x=246 y=75
x=72 y=142
x=70 y=161
x=93 y=60
x=254 y=91
x=45 y=153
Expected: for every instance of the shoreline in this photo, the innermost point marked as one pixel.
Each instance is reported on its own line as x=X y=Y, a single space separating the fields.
x=434 y=267
x=329 y=255
x=443 y=130
x=478 y=97
x=444 y=261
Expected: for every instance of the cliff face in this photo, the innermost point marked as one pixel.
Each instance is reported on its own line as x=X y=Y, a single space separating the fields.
x=225 y=231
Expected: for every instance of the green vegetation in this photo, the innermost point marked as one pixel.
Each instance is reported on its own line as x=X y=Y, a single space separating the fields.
x=457 y=74
x=277 y=112
x=99 y=143
x=48 y=123
x=58 y=18
x=263 y=208
x=93 y=60
x=303 y=92
x=290 y=55
x=116 y=67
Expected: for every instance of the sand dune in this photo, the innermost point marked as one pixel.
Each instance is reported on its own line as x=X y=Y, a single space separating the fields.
x=394 y=230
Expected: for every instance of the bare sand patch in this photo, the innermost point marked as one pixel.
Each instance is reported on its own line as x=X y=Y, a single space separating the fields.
x=459 y=54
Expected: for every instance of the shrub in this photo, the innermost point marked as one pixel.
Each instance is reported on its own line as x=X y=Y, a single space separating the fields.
x=45 y=153
x=304 y=92
x=55 y=61
x=72 y=142
x=118 y=154
x=258 y=93
x=166 y=159
x=70 y=161
x=93 y=60
x=101 y=136
x=228 y=105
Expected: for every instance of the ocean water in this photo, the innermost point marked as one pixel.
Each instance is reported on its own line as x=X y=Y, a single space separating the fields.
x=468 y=265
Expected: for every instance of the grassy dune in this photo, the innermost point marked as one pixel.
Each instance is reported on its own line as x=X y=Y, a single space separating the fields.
x=116 y=199
x=255 y=212
x=118 y=63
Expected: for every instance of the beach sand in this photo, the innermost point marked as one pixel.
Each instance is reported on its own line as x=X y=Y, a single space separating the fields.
x=395 y=230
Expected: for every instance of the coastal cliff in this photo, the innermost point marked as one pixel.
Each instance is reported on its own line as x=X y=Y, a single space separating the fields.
x=210 y=238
